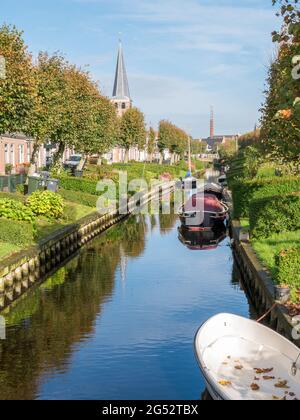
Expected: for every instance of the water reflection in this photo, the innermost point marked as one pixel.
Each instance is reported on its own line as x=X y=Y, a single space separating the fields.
x=202 y=240
x=118 y=321
x=46 y=324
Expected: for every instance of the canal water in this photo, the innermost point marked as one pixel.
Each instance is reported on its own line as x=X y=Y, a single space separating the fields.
x=118 y=321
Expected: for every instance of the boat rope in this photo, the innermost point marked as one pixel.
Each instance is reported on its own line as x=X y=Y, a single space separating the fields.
x=294 y=366
x=267 y=313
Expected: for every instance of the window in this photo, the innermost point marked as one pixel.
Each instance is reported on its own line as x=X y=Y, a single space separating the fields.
x=12 y=154
x=123 y=105
x=28 y=152
x=21 y=153
x=6 y=153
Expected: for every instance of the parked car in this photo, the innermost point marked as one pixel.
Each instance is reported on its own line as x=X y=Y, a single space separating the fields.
x=73 y=162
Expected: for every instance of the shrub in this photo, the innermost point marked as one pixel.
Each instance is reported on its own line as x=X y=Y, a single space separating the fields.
x=288 y=263
x=85 y=199
x=8 y=168
x=274 y=214
x=46 y=203
x=79 y=184
x=20 y=188
x=17 y=233
x=15 y=210
x=244 y=191
x=278 y=186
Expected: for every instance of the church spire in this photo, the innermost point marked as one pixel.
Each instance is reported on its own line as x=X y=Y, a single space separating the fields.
x=121 y=87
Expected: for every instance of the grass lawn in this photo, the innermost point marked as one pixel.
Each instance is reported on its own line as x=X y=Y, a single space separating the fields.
x=73 y=213
x=267 y=249
x=245 y=224
x=7 y=249
x=45 y=227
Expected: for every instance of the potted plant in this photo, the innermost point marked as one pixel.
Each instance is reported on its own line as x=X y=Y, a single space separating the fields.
x=244 y=235
x=282 y=293
x=8 y=168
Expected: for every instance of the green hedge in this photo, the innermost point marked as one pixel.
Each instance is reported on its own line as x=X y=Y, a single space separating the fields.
x=85 y=199
x=244 y=191
x=17 y=233
x=79 y=184
x=278 y=186
x=288 y=263
x=274 y=214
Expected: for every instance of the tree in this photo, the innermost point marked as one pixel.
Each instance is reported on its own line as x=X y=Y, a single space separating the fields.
x=280 y=121
x=104 y=128
x=165 y=137
x=173 y=139
x=45 y=115
x=132 y=131
x=250 y=139
x=228 y=149
x=151 y=143
x=17 y=88
x=77 y=125
x=197 y=147
x=75 y=115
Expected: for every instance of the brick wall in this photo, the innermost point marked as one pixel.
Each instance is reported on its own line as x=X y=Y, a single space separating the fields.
x=17 y=152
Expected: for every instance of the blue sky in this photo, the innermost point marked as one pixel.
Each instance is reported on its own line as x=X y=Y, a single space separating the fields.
x=182 y=55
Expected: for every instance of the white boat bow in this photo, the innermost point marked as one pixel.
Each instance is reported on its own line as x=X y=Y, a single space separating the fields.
x=243 y=360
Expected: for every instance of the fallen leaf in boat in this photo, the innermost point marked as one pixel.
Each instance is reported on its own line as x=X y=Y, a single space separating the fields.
x=225 y=364
x=282 y=385
x=257 y=379
x=269 y=378
x=225 y=383
x=276 y=398
x=260 y=371
x=239 y=367
x=228 y=357
x=255 y=387
x=291 y=394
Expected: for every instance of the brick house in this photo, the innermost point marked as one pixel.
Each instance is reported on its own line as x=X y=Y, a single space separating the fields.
x=16 y=151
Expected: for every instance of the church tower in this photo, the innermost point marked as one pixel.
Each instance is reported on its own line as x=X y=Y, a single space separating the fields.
x=121 y=94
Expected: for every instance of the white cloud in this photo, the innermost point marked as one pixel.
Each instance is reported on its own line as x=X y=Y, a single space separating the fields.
x=183 y=56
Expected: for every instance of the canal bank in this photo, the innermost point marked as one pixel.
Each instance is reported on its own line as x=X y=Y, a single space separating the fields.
x=260 y=287
x=118 y=321
x=31 y=266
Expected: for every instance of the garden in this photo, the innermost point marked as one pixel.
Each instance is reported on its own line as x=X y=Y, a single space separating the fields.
x=268 y=206
x=264 y=175
x=26 y=220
